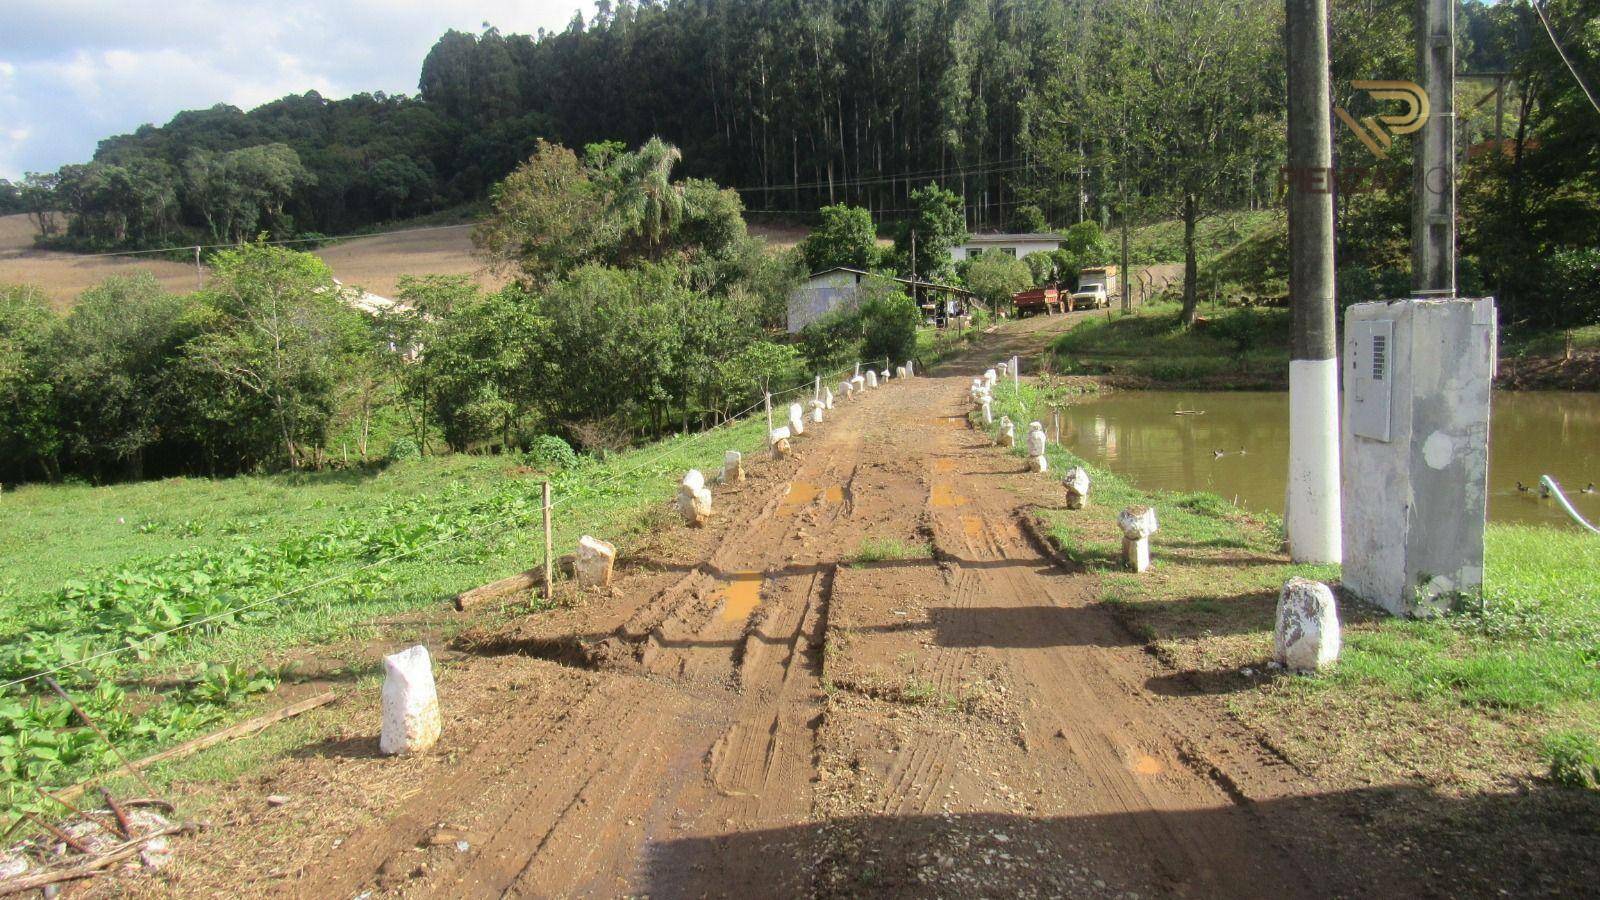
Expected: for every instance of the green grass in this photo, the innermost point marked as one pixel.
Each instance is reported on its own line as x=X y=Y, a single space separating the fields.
x=1574 y=758
x=873 y=550
x=1162 y=242
x=1469 y=697
x=934 y=344
x=57 y=532
x=343 y=558
x=1550 y=343
x=1235 y=347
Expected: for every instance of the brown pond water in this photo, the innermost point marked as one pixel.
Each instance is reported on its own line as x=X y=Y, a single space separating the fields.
x=1136 y=434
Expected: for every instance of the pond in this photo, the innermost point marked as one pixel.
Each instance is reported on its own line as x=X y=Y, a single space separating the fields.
x=1139 y=435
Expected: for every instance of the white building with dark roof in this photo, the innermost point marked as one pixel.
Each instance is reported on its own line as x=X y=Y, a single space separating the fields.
x=1015 y=245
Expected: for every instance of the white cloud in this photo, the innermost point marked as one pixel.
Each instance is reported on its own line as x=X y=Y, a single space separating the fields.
x=76 y=71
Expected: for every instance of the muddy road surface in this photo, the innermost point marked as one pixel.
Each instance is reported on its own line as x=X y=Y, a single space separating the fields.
x=864 y=677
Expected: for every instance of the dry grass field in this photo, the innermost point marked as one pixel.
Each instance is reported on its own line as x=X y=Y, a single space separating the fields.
x=375 y=263
x=63 y=276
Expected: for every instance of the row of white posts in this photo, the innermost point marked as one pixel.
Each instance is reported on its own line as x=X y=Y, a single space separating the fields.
x=1307 y=627
x=410 y=700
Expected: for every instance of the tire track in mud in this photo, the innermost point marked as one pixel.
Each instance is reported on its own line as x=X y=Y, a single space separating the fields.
x=1088 y=717
x=689 y=763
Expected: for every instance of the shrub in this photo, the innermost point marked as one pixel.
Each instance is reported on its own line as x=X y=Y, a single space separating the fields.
x=995 y=277
x=831 y=340
x=549 y=452
x=1574 y=282
x=889 y=327
x=403 y=449
x=1242 y=330
x=1574 y=758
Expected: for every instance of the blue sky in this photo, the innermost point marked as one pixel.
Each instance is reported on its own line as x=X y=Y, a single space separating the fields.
x=73 y=72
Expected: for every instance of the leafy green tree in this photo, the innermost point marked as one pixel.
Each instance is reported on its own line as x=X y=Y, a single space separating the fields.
x=276 y=344
x=994 y=277
x=936 y=226
x=845 y=236
x=643 y=195
x=113 y=378
x=741 y=377
x=30 y=441
x=555 y=213
x=480 y=368
x=38 y=196
x=1182 y=110
x=544 y=218
x=1029 y=218
x=889 y=326
x=832 y=339
x=397 y=183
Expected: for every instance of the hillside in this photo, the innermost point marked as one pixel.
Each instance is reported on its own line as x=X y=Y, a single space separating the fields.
x=375 y=263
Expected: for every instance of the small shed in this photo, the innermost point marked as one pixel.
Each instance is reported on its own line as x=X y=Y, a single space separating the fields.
x=840 y=288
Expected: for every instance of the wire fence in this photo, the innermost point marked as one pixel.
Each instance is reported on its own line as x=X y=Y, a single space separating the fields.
x=523 y=518
x=476 y=532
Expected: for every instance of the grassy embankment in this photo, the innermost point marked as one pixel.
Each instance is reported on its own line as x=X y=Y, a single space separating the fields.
x=87 y=569
x=1506 y=689
x=1233 y=348
x=1162 y=242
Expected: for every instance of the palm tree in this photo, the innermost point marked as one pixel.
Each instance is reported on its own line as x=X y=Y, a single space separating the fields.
x=646 y=197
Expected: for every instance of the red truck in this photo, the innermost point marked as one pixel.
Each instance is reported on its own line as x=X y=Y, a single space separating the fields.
x=1045 y=299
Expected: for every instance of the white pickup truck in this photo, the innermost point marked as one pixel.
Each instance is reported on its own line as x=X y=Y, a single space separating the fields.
x=1095 y=287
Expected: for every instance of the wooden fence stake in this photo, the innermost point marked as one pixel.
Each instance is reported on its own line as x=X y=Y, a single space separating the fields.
x=549 y=548
x=768 y=398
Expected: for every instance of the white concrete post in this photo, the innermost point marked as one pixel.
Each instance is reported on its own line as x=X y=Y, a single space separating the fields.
x=594 y=563
x=694 y=500
x=411 y=722
x=1137 y=523
x=1076 y=481
x=732 y=467
x=1306 y=636
x=816 y=412
x=797 y=419
x=1036 y=448
x=778 y=440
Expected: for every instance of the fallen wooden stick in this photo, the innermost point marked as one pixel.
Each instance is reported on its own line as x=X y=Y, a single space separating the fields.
x=494 y=590
x=105 y=860
x=189 y=748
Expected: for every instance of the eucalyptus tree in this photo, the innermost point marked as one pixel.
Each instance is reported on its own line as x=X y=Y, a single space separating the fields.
x=1183 y=101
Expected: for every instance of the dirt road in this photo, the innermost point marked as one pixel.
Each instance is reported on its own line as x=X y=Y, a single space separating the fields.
x=864 y=677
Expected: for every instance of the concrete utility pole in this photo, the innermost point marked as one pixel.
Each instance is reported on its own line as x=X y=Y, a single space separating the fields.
x=1433 y=220
x=1312 y=514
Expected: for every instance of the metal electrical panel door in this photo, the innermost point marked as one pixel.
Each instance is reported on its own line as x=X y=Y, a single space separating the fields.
x=1370 y=350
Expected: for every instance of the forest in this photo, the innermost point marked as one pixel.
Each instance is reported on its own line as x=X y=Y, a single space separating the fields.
x=1034 y=112
x=601 y=159
x=638 y=305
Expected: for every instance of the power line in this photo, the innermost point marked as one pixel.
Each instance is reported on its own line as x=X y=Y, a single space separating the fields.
x=1538 y=8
